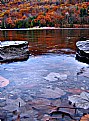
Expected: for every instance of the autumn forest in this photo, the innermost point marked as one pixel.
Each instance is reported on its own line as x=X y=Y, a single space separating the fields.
x=28 y=14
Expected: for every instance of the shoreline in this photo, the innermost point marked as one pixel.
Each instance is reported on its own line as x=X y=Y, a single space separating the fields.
x=41 y=28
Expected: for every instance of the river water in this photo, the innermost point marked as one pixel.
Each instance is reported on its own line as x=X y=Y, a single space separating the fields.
x=50 y=72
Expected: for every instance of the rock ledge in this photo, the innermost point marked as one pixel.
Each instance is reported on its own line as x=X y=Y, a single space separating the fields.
x=82 y=53
x=13 y=51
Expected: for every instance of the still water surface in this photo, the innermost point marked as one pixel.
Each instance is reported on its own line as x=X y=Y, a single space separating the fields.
x=43 y=41
x=52 y=53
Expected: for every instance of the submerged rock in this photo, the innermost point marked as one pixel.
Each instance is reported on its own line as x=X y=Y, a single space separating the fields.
x=13 y=51
x=3 y=116
x=52 y=93
x=81 y=101
x=14 y=105
x=55 y=76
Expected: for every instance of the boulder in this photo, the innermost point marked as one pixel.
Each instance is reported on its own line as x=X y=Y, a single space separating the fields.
x=82 y=53
x=82 y=38
x=13 y=51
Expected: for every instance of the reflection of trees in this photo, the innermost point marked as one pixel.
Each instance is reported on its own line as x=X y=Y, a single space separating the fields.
x=44 y=35
x=3 y=35
x=44 y=40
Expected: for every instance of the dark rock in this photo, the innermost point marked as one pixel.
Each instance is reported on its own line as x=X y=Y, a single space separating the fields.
x=82 y=38
x=13 y=51
x=82 y=53
x=1 y=58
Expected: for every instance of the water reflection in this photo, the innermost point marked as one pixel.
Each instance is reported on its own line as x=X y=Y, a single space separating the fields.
x=26 y=77
x=44 y=41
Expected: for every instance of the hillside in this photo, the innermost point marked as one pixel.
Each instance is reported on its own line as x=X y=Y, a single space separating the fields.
x=27 y=14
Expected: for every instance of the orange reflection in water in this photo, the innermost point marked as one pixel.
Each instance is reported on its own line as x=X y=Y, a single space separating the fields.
x=42 y=41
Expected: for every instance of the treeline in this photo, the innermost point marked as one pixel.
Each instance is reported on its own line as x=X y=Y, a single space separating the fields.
x=25 y=15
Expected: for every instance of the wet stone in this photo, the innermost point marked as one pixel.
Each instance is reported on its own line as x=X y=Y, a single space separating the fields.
x=81 y=100
x=13 y=96
x=41 y=101
x=86 y=73
x=82 y=51
x=26 y=97
x=55 y=76
x=56 y=102
x=11 y=107
x=22 y=116
x=13 y=51
x=40 y=96
x=16 y=102
x=2 y=102
x=16 y=91
x=50 y=93
x=3 y=116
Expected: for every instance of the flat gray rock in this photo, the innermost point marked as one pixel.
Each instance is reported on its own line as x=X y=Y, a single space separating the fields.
x=50 y=93
x=13 y=51
x=82 y=51
x=83 y=45
x=55 y=76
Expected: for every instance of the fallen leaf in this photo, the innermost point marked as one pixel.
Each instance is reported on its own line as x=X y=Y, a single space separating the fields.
x=18 y=118
x=81 y=101
x=3 y=82
x=75 y=91
x=85 y=118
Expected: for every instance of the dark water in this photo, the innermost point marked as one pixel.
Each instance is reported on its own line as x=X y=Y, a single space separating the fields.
x=43 y=41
